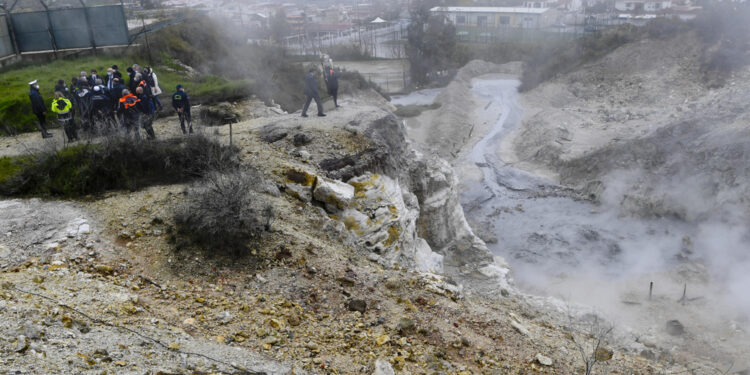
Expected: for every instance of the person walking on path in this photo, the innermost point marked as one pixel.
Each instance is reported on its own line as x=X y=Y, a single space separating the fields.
x=38 y=107
x=181 y=104
x=332 y=83
x=64 y=110
x=311 y=91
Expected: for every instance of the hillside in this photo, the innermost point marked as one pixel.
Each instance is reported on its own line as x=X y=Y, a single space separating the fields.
x=322 y=293
x=642 y=109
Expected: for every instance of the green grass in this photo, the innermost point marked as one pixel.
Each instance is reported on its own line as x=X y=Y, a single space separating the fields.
x=9 y=167
x=15 y=107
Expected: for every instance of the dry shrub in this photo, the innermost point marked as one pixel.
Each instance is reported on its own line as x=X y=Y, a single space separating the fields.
x=225 y=212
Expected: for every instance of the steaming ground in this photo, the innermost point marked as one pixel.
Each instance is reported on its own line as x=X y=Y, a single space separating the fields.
x=564 y=246
x=639 y=209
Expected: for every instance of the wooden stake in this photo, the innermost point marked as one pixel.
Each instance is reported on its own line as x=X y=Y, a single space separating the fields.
x=684 y=295
x=650 y=290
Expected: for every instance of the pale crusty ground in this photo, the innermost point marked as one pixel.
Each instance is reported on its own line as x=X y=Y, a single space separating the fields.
x=287 y=299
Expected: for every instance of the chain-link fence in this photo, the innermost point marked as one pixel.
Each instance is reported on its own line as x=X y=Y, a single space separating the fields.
x=62 y=28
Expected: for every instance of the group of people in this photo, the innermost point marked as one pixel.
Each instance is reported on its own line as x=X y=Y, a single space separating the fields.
x=331 y=77
x=101 y=104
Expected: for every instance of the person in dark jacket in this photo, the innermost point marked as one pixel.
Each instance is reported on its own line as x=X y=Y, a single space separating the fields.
x=38 y=107
x=63 y=88
x=332 y=83
x=101 y=110
x=311 y=91
x=116 y=93
x=109 y=79
x=83 y=103
x=93 y=77
x=127 y=109
x=147 y=112
x=143 y=84
x=181 y=104
x=116 y=72
x=132 y=83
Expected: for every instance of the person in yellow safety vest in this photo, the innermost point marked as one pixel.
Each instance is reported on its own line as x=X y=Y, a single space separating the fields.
x=63 y=107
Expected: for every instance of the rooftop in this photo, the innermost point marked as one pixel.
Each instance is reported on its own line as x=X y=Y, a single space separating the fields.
x=490 y=10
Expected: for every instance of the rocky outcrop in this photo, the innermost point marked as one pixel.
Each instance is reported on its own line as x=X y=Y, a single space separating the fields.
x=219 y=114
x=384 y=217
x=442 y=220
x=430 y=190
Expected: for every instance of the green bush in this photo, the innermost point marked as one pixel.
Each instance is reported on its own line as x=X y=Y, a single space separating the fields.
x=117 y=163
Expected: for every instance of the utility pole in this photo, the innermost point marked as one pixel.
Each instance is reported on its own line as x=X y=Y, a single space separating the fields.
x=359 y=26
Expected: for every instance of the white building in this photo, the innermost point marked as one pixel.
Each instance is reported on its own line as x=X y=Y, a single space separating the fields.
x=647 y=6
x=497 y=17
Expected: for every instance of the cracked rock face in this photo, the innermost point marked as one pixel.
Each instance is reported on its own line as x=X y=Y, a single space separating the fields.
x=427 y=187
x=384 y=218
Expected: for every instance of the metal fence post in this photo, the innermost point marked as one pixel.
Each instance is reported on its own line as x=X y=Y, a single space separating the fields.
x=49 y=28
x=88 y=25
x=11 y=29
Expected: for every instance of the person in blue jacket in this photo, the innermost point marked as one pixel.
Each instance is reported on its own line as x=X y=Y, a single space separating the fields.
x=38 y=107
x=181 y=104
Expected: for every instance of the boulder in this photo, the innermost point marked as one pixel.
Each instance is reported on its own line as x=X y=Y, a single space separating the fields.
x=272 y=133
x=301 y=139
x=544 y=361
x=406 y=326
x=219 y=114
x=675 y=328
x=299 y=184
x=335 y=194
x=357 y=305
x=382 y=367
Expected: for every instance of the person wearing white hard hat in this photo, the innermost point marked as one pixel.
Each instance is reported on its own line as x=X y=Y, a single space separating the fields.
x=38 y=107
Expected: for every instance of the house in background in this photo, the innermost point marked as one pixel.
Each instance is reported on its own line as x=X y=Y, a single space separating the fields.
x=643 y=6
x=497 y=17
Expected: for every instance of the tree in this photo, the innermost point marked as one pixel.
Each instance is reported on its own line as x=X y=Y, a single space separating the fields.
x=431 y=47
x=278 y=26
